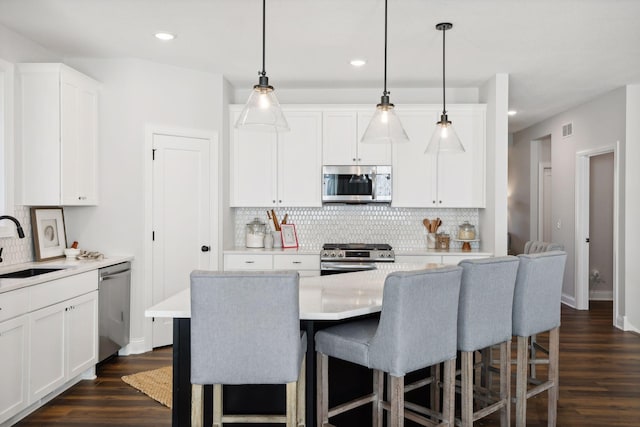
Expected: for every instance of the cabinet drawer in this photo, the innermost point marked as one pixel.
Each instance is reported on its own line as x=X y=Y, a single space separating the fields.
x=14 y=304
x=247 y=262
x=49 y=293
x=296 y=262
x=419 y=259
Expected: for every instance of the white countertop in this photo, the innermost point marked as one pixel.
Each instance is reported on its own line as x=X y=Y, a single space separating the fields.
x=334 y=297
x=69 y=268
x=313 y=251
x=272 y=251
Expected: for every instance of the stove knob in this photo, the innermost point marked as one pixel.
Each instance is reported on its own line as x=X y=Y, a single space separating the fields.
x=333 y=254
x=341 y=255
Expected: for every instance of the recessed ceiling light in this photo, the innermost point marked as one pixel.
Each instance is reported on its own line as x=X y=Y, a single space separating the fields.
x=358 y=62
x=164 y=36
x=512 y=112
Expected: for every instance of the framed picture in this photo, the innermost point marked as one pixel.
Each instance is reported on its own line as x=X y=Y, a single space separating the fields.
x=49 y=234
x=289 y=236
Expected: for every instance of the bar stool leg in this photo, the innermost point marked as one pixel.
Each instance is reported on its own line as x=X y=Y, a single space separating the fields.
x=522 y=364
x=197 y=405
x=378 y=390
x=466 y=373
x=301 y=398
x=435 y=387
x=554 y=356
x=449 y=392
x=322 y=389
x=292 y=396
x=505 y=383
x=397 y=401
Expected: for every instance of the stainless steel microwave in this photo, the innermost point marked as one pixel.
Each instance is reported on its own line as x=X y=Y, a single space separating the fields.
x=356 y=184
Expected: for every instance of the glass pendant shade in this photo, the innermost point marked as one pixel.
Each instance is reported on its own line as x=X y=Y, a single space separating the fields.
x=262 y=111
x=444 y=139
x=384 y=127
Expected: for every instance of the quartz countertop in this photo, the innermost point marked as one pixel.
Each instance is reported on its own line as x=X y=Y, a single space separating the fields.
x=272 y=251
x=69 y=267
x=333 y=297
x=441 y=252
x=316 y=251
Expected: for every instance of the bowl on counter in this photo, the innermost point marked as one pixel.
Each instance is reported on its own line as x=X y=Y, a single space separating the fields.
x=71 y=253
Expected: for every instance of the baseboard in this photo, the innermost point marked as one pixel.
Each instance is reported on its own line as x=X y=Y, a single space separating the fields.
x=568 y=300
x=135 y=346
x=627 y=326
x=601 y=295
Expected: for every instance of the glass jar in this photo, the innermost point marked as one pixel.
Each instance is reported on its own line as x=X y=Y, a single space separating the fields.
x=254 y=233
x=466 y=231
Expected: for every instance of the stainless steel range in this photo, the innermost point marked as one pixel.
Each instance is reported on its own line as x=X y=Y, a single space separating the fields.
x=349 y=257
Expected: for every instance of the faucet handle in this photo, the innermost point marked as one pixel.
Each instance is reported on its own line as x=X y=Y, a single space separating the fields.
x=1 y=254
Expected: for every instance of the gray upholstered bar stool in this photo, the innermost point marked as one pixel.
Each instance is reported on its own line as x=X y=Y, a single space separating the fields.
x=245 y=329
x=536 y=247
x=484 y=319
x=536 y=309
x=417 y=328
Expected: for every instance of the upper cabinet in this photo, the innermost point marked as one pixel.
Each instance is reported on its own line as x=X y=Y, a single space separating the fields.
x=277 y=169
x=341 y=134
x=58 y=124
x=448 y=180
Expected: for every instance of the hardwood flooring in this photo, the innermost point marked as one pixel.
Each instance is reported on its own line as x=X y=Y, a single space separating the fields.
x=599 y=383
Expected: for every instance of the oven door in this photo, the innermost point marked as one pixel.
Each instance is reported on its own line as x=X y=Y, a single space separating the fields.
x=337 y=267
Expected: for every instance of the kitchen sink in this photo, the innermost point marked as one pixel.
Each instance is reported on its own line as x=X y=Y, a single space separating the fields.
x=28 y=272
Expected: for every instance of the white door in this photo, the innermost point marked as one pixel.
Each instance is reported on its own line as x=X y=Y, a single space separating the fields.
x=545 y=205
x=181 y=218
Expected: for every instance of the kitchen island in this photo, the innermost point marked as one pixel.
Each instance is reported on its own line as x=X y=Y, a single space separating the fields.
x=324 y=300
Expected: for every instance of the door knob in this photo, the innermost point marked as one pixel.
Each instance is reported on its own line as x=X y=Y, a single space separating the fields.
x=205 y=248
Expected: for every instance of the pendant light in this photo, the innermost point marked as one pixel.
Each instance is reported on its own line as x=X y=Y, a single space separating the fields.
x=444 y=138
x=385 y=125
x=262 y=111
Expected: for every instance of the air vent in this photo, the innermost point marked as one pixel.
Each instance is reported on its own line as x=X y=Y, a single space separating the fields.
x=567 y=130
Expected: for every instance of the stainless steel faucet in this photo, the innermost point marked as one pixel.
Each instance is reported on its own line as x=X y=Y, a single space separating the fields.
x=16 y=222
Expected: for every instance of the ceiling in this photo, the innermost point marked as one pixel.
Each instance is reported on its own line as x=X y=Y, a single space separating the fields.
x=558 y=53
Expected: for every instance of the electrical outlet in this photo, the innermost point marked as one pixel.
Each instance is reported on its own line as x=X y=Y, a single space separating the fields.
x=559 y=225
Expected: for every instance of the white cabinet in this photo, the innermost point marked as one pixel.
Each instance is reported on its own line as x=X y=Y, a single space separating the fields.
x=305 y=264
x=451 y=180
x=14 y=353
x=64 y=342
x=277 y=169
x=341 y=134
x=58 y=123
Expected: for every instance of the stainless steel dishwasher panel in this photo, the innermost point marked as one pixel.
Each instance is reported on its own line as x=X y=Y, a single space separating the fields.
x=114 y=293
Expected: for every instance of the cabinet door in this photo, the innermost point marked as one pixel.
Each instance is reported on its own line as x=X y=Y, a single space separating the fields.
x=78 y=126
x=47 y=349
x=339 y=137
x=414 y=172
x=234 y=262
x=81 y=334
x=253 y=167
x=300 y=160
x=461 y=176
x=14 y=350
x=371 y=154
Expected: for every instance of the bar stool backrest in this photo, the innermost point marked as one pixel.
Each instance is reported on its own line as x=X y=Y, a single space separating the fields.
x=245 y=327
x=536 y=301
x=537 y=246
x=417 y=325
x=486 y=300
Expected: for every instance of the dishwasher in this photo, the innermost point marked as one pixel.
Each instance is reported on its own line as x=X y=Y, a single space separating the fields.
x=114 y=293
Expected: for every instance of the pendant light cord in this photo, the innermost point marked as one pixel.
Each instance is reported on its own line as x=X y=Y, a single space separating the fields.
x=444 y=97
x=264 y=6
x=385 y=93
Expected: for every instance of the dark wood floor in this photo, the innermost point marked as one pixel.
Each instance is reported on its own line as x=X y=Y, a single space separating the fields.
x=599 y=376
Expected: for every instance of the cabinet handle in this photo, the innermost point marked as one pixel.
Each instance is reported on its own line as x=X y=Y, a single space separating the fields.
x=249 y=262
x=297 y=262
x=354 y=159
x=440 y=201
x=279 y=201
x=273 y=201
x=434 y=202
x=82 y=197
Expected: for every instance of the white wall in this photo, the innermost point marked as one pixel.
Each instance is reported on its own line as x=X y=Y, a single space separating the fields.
x=136 y=93
x=598 y=123
x=493 y=219
x=630 y=235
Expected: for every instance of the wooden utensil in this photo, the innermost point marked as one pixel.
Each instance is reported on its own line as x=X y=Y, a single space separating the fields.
x=427 y=224
x=276 y=224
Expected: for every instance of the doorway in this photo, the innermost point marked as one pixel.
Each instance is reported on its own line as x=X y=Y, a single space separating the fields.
x=545 y=189
x=182 y=212
x=585 y=209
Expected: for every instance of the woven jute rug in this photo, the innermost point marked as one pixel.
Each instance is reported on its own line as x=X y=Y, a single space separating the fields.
x=156 y=384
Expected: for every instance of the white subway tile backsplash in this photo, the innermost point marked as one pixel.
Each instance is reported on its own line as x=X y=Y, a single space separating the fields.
x=402 y=228
x=17 y=251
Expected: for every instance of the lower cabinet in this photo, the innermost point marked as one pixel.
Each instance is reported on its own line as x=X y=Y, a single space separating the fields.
x=305 y=264
x=48 y=336
x=444 y=258
x=14 y=351
x=64 y=342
